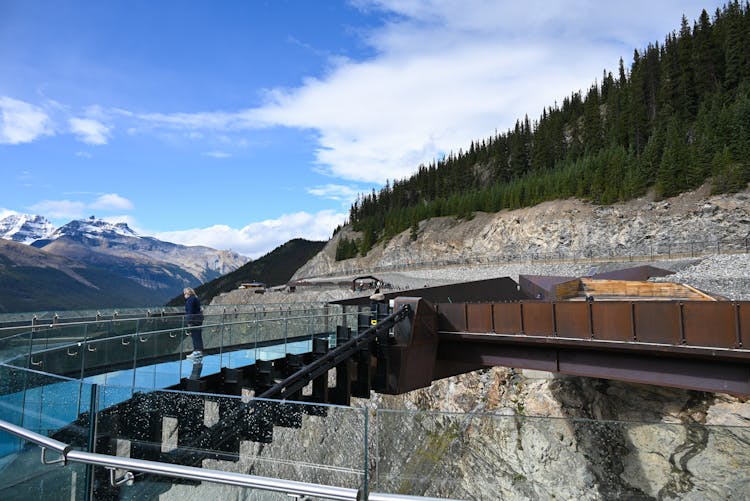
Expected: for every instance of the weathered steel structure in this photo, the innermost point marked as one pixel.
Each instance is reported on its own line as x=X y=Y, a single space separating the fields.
x=654 y=333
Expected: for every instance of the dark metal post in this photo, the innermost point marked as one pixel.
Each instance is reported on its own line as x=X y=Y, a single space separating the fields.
x=554 y=319
x=737 y=326
x=682 y=324
x=91 y=447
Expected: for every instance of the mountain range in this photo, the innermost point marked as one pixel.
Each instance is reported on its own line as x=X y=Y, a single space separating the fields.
x=274 y=268
x=102 y=264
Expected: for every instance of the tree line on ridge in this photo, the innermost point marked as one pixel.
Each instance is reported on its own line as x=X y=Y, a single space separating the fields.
x=678 y=117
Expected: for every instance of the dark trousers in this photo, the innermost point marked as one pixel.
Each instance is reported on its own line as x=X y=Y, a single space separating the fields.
x=195 y=331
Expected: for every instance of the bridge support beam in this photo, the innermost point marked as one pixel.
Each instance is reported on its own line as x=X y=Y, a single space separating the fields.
x=457 y=354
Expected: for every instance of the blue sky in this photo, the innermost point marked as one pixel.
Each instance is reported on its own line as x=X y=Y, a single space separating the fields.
x=242 y=124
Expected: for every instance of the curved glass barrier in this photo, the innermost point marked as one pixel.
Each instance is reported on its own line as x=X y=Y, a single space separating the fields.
x=46 y=405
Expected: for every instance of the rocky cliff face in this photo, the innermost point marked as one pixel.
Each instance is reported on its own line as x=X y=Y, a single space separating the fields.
x=533 y=435
x=689 y=223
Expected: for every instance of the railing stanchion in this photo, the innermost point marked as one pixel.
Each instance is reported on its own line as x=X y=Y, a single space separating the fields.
x=91 y=446
x=221 y=341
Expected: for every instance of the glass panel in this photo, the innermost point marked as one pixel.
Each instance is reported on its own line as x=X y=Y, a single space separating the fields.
x=14 y=346
x=110 y=360
x=49 y=406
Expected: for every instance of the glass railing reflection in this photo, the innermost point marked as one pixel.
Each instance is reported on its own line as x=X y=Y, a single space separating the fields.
x=46 y=405
x=156 y=358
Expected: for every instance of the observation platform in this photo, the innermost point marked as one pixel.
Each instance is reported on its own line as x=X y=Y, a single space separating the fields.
x=276 y=377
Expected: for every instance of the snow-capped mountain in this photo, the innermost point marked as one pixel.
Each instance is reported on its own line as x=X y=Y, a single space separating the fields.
x=94 y=239
x=94 y=228
x=121 y=252
x=25 y=228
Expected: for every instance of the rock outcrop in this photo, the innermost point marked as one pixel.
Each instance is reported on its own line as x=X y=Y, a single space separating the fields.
x=691 y=223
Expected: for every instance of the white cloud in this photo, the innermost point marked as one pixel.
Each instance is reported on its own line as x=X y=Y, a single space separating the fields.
x=59 y=209
x=111 y=201
x=217 y=154
x=74 y=209
x=21 y=122
x=448 y=72
x=337 y=192
x=83 y=154
x=7 y=212
x=257 y=239
x=89 y=130
x=441 y=74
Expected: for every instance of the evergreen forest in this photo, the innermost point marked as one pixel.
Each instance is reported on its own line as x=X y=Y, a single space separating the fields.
x=677 y=117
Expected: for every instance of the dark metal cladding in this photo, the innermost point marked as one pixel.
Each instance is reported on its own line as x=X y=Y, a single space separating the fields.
x=480 y=291
x=479 y=317
x=507 y=318
x=744 y=327
x=477 y=355
x=694 y=374
x=413 y=353
x=710 y=324
x=541 y=287
x=657 y=322
x=573 y=320
x=451 y=316
x=538 y=318
x=612 y=320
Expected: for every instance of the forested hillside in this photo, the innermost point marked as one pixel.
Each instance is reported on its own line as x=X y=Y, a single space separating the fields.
x=678 y=116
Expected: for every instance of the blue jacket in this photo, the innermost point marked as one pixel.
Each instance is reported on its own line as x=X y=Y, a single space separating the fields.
x=193 y=312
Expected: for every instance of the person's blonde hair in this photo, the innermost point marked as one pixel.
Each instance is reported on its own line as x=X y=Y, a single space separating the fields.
x=189 y=291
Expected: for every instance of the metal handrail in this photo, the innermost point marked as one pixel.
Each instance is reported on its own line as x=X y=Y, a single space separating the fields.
x=179 y=315
x=112 y=463
x=185 y=328
x=47 y=322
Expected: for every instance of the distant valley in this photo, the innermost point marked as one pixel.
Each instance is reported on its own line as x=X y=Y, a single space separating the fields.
x=91 y=263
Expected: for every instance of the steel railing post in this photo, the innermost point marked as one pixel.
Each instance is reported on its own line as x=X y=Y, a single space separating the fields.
x=91 y=447
x=365 y=469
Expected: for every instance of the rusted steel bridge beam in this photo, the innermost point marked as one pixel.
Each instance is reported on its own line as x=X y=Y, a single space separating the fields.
x=686 y=344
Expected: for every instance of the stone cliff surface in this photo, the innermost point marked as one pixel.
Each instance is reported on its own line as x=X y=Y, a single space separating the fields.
x=690 y=223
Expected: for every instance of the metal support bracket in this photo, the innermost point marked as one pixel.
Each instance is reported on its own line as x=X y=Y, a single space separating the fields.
x=127 y=478
x=63 y=460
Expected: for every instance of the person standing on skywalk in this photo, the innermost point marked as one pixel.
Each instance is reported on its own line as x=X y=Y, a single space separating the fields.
x=194 y=320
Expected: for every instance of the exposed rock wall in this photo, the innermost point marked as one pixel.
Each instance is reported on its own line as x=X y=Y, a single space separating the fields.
x=531 y=435
x=568 y=228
